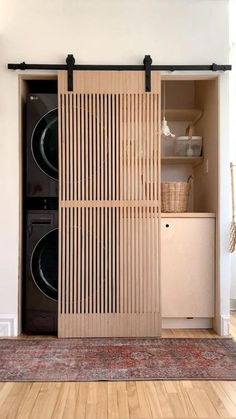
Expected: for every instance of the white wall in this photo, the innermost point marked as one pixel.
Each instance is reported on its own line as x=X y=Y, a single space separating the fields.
x=95 y=31
x=232 y=33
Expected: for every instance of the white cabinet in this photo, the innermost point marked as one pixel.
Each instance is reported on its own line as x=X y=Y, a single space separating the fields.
x=187 y=266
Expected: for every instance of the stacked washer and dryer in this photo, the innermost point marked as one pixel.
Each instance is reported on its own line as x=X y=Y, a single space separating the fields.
x=40 y=288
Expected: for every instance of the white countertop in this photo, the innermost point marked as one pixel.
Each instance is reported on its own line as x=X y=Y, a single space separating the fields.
x=188 y=215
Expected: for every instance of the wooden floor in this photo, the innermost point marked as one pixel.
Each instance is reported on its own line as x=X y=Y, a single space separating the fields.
x=122 y=400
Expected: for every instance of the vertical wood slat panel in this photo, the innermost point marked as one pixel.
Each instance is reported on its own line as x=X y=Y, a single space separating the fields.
x=132 y=246
x=67 y=196
x=81 y=144
x=143 y=148
x=133 y=277
x=77 y=139
x=94 y=195
x=152 y=210
x=74 y=220
x=83 y=255
x=117 y=219
x=120 y=212
x=86 y=139
x=85 y=226
x=112 y=232
x=106 y=244
x=128 y=279
x=71 y=210
x=114 y=278
x=103 y=171
x=98 y=218
x=107 y=258
x=124 y=155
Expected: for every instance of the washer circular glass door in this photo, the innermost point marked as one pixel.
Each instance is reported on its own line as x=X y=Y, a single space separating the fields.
x=44 y=143
x=44 y=264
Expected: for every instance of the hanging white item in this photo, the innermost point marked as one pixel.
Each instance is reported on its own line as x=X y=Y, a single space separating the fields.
x=165 y=130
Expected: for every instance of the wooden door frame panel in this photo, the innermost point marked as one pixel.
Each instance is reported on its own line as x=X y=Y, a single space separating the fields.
x=78 y=202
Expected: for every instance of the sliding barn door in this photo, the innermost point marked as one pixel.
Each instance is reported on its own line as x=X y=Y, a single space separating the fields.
x=109 y=205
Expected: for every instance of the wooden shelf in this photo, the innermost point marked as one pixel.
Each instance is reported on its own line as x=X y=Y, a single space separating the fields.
x=182 y=160
x=182 y=114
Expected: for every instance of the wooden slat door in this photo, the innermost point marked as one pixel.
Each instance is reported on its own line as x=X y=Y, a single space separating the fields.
x=109 y=252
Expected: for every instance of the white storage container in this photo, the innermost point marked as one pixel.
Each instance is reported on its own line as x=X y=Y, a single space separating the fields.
x=188 y=146
x=167 y=146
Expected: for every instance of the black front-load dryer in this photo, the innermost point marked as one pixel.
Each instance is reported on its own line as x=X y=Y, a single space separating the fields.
x=41 y=145
x=40 y=290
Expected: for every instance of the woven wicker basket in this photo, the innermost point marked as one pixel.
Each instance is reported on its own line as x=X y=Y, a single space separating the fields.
x=174 y=196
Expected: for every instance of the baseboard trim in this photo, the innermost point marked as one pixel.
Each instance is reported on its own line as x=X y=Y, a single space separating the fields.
x=232 y=303
x=8 y=325
x=183 y=323
x=225 y=323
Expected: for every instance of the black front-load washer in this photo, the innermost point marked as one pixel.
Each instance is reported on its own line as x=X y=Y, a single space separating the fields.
x=40 y=285
x=41 y=145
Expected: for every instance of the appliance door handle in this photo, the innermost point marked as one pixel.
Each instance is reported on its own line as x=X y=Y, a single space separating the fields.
x=42 y=221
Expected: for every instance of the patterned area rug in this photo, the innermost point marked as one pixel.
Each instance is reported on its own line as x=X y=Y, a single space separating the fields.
x=117 y=359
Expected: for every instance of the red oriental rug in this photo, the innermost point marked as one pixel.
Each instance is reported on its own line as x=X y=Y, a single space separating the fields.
x=97 y=359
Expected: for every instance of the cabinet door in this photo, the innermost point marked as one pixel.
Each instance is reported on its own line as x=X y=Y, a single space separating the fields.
x=188 y=267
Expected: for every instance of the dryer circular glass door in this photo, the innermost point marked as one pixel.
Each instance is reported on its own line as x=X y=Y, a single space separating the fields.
x=44 y=264
x=44 y=143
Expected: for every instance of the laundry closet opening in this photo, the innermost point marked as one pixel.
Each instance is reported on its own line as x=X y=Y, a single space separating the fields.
x=38 y=297
x=93 y=232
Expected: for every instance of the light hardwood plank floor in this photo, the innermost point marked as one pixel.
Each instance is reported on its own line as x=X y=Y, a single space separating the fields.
x=118 y=400
x=122 y=400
